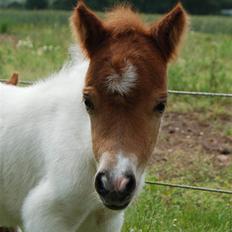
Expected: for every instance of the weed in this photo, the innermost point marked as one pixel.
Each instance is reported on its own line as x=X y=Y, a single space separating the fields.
x=4 y=28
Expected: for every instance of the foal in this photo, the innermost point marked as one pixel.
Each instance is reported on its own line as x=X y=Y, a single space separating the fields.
x=74 y=147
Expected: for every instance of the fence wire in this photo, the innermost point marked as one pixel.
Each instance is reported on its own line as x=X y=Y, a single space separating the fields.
x=177 y=92
x=189 y=187
x=204 y=94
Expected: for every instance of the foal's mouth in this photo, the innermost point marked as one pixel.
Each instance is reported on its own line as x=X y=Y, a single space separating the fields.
x=117 y=203
x=117 y=207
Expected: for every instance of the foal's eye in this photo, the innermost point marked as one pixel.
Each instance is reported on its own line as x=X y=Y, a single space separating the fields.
x=160 y=107
x=88 y=103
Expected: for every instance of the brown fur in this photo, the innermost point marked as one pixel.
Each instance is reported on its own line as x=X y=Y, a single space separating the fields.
x=13 y=80
x=122 y=19
x=167 y=37
x=127 y=122
x=88 y=28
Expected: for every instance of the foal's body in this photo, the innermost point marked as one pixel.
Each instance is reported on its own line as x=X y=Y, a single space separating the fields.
x=52 y=163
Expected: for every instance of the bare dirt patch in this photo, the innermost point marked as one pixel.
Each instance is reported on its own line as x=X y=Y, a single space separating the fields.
x=189 y=134
x=8 y=38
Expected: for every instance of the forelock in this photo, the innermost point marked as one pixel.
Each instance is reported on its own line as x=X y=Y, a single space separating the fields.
x=122 y=19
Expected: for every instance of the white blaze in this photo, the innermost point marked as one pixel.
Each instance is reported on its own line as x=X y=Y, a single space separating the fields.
x=122 y=84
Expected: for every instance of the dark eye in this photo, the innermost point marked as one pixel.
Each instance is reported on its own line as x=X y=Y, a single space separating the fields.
x=160 y=107
x=88 y=103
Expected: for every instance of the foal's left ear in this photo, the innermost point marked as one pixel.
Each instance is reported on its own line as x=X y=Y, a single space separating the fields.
x=169 y=31
x=13 y=80
x=88 y=27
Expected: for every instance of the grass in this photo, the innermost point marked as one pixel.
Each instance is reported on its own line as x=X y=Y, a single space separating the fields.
x=163 y=209
x=36 y=44
x=175 y=210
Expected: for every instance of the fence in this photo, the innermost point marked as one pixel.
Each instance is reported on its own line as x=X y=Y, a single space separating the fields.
x=176 y=92
x=186 y=187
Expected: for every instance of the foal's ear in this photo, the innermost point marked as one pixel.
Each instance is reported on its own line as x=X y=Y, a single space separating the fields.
x=88 y=27
x=13 y=80
x=169 y=31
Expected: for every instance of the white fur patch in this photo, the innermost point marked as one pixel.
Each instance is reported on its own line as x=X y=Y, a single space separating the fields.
x=122 y=84
x=123 y=165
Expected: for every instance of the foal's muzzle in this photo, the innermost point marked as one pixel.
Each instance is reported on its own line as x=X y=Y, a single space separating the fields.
x=115 y=192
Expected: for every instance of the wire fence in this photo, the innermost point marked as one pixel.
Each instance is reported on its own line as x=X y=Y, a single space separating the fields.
x=203 y=94
x=189 y=187
x=176 y=92
x=179 y=186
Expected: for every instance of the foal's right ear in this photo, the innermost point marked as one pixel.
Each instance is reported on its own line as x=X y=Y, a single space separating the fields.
x=88 y=27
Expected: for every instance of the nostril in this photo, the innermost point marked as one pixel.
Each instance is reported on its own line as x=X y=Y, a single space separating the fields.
x=101 y=183
x=131 y=184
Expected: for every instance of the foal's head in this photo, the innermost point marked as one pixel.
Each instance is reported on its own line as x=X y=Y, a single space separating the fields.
x=125 y=92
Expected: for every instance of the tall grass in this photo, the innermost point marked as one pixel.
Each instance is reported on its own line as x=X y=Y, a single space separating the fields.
x=209 y=24
x=43 y=18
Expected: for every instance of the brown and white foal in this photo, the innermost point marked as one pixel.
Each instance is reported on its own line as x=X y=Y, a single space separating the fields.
x=125 y=92
x=82 y=139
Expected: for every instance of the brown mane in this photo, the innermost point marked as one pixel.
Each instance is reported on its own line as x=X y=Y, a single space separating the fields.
x=122 y=19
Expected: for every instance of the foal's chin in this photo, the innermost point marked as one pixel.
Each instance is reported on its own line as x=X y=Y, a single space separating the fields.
x=116 y=207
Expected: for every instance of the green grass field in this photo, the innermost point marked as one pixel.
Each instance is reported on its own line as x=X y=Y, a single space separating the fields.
x=36 y=44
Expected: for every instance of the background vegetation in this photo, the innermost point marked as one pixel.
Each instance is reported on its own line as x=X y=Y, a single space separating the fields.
x=36 y=43
x=158 y=6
